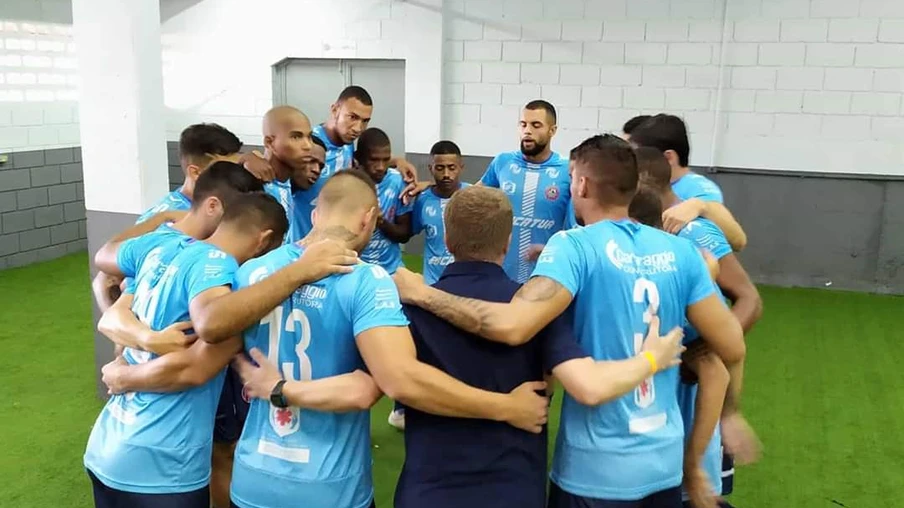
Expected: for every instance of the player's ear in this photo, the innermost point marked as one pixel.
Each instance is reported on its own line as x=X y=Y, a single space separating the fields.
x=315 y=216
x=334 y=110
x=553 y=129
x=265 y=243
x=671 y=156
x=268 y=141
x=370 y=218
x=507 y=244
x=192 y=172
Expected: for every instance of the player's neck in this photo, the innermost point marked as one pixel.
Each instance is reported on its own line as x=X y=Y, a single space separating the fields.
x=281 y=170
x=445 y=194
x=540 y=157
x=337 y=231
x=230 y=242
x=330 y=128
x=678 y=172
x=605 y=213
x=187 y=189
x=190 y=225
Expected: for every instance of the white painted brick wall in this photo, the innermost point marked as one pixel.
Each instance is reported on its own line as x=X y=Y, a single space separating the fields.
x=791 y=72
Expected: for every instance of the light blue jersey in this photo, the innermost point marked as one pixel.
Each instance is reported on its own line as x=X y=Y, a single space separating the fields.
x=338 y=157
x=695 y=185
x=282 y=192
x=540 y=196
x=175 y=200
x=381 y=250
x=157 y=443
x=617 y=271
x=705 y=235
x=427 y=215
x=301 y=457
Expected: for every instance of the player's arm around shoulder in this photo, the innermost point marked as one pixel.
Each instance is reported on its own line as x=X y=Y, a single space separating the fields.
x=737 y=286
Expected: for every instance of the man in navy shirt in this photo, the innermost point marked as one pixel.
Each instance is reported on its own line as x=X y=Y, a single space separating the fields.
x=453 y=462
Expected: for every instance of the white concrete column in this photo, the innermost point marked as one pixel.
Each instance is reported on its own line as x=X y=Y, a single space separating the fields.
x=121 y=116
x=121 y=110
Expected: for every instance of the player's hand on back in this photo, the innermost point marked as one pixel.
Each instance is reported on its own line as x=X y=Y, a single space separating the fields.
x=111 y=375
x=740 y=440
x=408 y=283
x=259 y=379
x=699 y=490
x=326 y=257
x=528 y=410
x=675 y=218
x=175 y=337
x=258 y=166
x=666 y=349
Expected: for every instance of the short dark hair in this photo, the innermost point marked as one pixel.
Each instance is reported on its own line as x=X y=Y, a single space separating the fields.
x=665 y=132
x=646 y=207
x=225 y=181
x=546 y=106
x=355 y=92
x=199 y=141
x=653 y=169
x=319 y=142
x=445 y=147
x=257 y=210
x=478 y=223
x=370 y=139
x=612 y=167
x=634 y=123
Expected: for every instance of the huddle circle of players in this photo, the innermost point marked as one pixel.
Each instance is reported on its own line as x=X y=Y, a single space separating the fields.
x=257 y=314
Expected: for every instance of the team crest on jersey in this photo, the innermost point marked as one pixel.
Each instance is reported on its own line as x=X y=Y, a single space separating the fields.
x=552 y=172
x=431 y=231
x=515 y=168
x=508 y=187
x=430 y=211
x=552 y=193
x=645 y=394
x=285 y=421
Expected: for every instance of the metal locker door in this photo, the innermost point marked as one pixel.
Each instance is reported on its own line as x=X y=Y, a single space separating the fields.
x=310 y=85
x=385 y=81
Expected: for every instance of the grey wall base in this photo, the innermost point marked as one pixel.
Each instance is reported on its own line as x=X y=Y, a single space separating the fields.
x=101 y=227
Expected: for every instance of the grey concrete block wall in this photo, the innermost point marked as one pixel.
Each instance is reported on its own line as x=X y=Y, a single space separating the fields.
x=42 y=209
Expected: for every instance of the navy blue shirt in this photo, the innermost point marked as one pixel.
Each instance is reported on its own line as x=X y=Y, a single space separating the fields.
x=457 y=462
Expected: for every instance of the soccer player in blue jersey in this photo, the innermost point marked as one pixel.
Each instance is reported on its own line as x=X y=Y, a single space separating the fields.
x=747 y=306
x=373 y=156
x=348 y=119
x=618 y=274
x=289 y=456
x=152 y=449
x=428 y=209
x=668 y=134
x=536 y=180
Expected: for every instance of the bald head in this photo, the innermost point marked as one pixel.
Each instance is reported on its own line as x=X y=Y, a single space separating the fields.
x=287 y=138
x=346 y=192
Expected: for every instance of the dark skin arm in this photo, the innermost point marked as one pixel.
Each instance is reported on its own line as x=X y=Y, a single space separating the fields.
x=747 y=306
x=398 y=231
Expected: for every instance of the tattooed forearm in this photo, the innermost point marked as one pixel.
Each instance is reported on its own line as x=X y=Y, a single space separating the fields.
x=473 y=316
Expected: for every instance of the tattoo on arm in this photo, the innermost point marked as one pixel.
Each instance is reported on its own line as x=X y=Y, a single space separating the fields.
x=466 y=313
x=538 y=289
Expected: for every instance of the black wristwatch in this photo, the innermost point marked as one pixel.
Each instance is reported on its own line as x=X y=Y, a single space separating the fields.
x=276 y=396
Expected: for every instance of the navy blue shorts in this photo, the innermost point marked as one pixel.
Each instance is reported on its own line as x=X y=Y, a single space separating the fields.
x=727 y=473
x=558 y=498
x=232 y=410
x=106 y=497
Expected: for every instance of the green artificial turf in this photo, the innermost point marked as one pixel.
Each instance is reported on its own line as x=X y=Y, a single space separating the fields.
x=824 y=391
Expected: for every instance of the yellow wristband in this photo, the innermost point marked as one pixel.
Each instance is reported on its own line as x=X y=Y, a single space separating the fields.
x=652 y=359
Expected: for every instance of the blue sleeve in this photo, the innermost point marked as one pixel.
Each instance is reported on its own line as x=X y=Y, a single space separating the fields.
x=376 y=301
x=709 y=190
x=699 y=282
x=491 y=178
x=132 y=252
x=559 y=343
x=706 y=235
x=718 y=245
x=214 y=269
x=562 y=261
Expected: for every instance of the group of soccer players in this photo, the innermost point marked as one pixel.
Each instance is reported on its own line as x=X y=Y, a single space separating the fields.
x=257 y=315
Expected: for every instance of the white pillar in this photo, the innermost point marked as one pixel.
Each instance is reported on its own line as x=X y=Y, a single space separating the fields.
x=121 y=103
x=121 y=110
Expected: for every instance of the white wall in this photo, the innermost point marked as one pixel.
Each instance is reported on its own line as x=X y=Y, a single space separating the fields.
x=217 y=57
x=796 y=84
x=38 y=86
